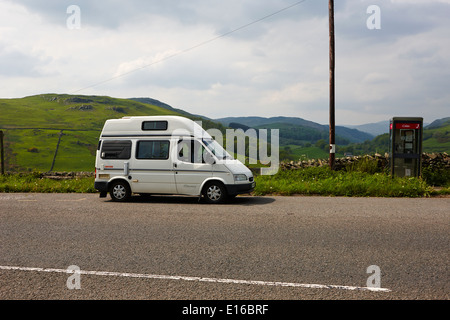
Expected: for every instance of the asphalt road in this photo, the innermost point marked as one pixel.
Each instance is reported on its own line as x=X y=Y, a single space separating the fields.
x=160 y=248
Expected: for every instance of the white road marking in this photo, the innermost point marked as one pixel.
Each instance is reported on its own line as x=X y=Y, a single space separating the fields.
x=200 y=279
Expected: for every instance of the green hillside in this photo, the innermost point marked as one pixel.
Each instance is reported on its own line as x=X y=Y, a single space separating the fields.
x=436 y=136
x=33 y=125
x=299 y=135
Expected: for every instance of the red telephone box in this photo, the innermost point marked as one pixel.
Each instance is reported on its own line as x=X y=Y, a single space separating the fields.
x=405 y=150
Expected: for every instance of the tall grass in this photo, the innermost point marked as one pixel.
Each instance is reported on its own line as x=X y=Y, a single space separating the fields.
x=308 y=181
x=365 y=165
x=34 y=183
x=323 y=181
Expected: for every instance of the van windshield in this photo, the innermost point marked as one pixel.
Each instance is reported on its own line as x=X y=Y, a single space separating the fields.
x=216 y=149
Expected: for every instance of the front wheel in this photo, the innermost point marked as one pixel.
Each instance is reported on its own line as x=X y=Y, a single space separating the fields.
x=215 y=192
x=120 y=191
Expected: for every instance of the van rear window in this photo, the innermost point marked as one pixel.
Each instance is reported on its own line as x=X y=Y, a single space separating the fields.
x=154 y=125
x=116 y=149
x=155 y=150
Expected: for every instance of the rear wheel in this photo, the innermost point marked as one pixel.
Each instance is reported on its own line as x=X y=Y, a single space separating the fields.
x=214 y=192
x=120 y=191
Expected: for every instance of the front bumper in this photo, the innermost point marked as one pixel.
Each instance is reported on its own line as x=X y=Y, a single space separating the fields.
x=235 y=189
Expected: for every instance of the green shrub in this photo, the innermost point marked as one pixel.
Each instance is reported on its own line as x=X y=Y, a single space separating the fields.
x=365 y=165
x=436 y=177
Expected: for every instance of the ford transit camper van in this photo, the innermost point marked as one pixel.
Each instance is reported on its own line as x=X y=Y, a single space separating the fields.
x=166 y=155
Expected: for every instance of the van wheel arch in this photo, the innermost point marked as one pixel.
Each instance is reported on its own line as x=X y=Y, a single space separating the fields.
x=119 y=190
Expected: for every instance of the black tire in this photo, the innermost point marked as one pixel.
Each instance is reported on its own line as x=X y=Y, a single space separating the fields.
x=214 y=192
x=120 y=191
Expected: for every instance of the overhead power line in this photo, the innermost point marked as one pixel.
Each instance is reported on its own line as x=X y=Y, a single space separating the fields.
x=193 y=47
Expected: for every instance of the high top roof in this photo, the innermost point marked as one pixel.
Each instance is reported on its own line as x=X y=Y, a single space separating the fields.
x=153 y=126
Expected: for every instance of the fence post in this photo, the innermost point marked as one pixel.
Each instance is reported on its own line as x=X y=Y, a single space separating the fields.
x=56 y=150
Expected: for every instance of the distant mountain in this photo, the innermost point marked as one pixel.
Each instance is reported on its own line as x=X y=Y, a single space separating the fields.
x=381 y=127
x=439 y=123
x=374 y=129
x=354 y=135
x=259 y=121
x=436 y=136
x=299 y=129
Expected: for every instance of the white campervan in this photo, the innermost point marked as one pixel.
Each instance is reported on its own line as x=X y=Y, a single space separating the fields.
x=166 y=155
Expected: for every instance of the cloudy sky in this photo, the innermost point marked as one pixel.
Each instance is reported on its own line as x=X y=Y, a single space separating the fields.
x=236 y=57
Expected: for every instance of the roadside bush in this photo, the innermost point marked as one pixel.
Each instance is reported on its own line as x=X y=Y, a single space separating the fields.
x=436 y=177
x=365 y=165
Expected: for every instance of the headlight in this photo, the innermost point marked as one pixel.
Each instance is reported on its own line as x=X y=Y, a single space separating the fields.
x=240 y=177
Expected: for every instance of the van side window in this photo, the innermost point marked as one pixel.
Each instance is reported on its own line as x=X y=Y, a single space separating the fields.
x=199 y=152
x=184 y=150
x=156 y=150
x=116 y=149
x=190 y=151
x=154 y=125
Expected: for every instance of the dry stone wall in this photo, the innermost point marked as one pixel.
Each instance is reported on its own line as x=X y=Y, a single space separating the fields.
x=429 y=160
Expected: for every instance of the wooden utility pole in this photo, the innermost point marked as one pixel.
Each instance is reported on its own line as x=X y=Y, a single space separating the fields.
x=2 y=152
x=332 y=64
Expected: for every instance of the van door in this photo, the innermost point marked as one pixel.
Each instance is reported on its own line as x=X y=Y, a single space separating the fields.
x=152 y=169
x=189 y=167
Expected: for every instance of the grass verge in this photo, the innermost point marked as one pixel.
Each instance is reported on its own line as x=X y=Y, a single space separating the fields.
x=34 y=183
x=309 y=181
x=325 y=182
